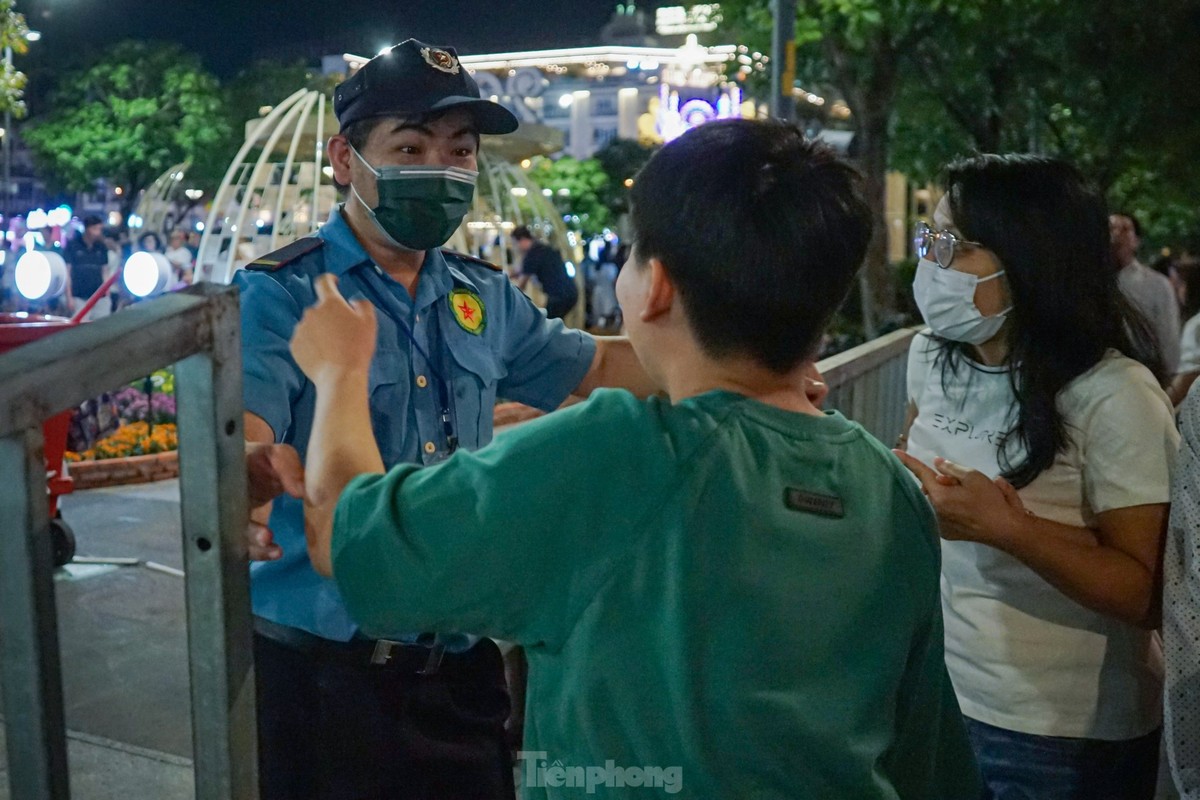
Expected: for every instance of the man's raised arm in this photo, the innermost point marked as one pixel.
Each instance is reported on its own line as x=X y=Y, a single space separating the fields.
x=333 y=344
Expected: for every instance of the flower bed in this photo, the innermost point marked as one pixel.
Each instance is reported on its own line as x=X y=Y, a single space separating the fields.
x=132 y=439
x=143 y=446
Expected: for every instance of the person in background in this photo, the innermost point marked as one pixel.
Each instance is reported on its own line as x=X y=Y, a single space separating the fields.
x=604 y=310
x=1150 y=292
x=88 y=258
x=180 y=256
x=746 y=595
x=149 y=242
x=541 y=261
x=1187 y=272
x=1046 y=449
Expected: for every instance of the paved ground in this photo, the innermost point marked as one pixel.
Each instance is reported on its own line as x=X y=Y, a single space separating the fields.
x=124 y=648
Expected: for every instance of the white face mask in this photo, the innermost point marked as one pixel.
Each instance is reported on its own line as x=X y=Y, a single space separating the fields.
x=946 y=298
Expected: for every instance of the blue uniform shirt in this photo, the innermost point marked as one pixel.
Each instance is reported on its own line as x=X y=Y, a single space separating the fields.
x=518 y=354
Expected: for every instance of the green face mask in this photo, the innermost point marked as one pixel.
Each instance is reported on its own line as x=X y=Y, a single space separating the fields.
x=420 y=207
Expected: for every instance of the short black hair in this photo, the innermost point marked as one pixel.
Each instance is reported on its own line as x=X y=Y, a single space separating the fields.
x=1137 y=225
x=358 y=132
x=522 y=232
x=761 y=230
x=92 y=219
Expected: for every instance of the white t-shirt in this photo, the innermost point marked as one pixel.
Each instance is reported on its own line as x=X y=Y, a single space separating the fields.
x=180 y=258
x=1021 y=654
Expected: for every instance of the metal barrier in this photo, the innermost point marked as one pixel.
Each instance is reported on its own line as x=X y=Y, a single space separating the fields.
x=867 y=383
x=198 y=331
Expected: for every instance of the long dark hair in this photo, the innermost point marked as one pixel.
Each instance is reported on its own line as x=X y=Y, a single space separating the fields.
x=1048 y=226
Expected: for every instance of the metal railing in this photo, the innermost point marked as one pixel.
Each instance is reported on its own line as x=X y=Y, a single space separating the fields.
x=197 y=331
x=867 y=383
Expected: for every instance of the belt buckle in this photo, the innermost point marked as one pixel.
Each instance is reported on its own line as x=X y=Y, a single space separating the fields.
x=384 y=650
x=435 y=660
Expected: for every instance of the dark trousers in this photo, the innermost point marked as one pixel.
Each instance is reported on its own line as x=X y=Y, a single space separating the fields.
x=1024 y=766
x=338 y=731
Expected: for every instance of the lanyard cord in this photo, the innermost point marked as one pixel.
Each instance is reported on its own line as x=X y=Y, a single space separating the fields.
x=443 y=385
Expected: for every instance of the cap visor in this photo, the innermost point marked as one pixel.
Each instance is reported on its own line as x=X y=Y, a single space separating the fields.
x=492 y=118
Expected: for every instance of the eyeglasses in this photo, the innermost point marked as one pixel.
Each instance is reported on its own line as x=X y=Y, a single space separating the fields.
x=941 y=243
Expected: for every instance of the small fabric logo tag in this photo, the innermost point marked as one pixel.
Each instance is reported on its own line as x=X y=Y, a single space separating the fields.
x=812 y=503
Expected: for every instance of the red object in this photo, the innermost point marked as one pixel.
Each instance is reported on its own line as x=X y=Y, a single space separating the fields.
x=19 y=329
x=97 y=295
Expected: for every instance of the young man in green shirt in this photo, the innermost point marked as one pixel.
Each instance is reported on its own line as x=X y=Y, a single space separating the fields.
x=725 y=592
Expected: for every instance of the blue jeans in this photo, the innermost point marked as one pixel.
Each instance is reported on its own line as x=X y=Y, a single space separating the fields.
x=1024 y=766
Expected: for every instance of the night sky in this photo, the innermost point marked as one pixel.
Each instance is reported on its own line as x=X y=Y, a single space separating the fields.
x=229 y=34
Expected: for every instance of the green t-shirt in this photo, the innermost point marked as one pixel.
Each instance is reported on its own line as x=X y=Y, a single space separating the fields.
x=719 y=598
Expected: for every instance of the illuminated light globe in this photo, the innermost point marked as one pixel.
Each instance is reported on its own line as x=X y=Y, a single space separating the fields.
x=36 y=219
x=40 y=275
x=146 y=274
x=59 y=217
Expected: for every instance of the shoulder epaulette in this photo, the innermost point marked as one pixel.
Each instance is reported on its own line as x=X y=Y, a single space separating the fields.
x=285 y=255
x=474 y=260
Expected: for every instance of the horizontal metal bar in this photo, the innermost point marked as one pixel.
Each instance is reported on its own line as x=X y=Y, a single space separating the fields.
x=64 y=369
x=845 y=367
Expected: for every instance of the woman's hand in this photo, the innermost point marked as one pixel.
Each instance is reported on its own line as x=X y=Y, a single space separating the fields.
x=970 y=506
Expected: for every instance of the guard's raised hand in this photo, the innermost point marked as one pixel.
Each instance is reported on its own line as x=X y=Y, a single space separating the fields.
x=271 y=470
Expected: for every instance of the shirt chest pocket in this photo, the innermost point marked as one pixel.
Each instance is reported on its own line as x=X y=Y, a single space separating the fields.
x=475 y=373
x=388 y=388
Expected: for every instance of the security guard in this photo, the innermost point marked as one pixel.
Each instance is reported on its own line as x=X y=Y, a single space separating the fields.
x=418 y=714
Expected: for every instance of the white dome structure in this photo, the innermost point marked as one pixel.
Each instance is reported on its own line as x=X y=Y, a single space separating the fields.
x=275 y=191
x=158 y=209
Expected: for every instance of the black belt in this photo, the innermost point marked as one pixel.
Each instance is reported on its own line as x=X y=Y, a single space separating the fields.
x=416 y=659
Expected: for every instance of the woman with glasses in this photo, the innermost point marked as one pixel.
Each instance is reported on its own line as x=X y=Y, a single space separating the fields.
x=1046 y=449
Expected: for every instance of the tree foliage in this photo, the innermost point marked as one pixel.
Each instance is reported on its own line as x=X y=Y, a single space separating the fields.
x=620 y=160
x=13 y=33
x=592 y=193
x=264 y=84
x=138 y=110
x=1106 y=84
x=578 y=189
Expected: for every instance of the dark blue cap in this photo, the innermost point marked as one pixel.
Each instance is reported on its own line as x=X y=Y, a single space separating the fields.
x=416 y=78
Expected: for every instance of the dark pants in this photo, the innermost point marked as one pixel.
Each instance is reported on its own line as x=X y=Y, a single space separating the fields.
x=1023 y=766
x=559 y=307
x=337 y=731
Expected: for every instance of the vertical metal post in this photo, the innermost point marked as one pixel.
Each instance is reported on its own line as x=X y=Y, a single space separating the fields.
x=220 y=645
x=30 y=667
x=783 y=59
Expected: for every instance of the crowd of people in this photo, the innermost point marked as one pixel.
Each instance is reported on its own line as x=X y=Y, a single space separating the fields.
x=719 y=588
x=93 y=252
